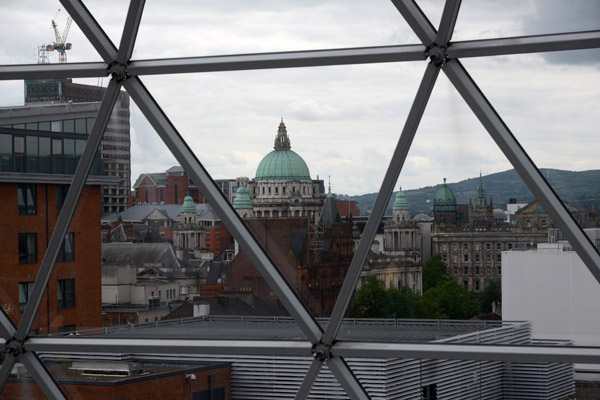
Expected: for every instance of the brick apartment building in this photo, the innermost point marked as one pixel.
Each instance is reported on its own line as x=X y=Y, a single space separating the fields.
x=30 y=205
x=168 y=187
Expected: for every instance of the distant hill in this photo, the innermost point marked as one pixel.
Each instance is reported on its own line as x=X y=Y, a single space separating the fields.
x=582 y=189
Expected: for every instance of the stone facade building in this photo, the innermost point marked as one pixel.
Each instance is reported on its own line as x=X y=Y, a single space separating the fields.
x=401 y=262
x=472 y=248
x=282 y=187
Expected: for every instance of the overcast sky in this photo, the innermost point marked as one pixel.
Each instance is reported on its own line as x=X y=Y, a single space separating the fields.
x=344 y=121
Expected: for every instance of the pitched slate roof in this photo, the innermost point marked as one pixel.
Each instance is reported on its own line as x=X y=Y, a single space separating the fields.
x=139 y=254
x=140 y=211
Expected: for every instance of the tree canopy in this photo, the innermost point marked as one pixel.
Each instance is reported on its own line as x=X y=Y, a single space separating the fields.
x=434 y=271
x=491 y=293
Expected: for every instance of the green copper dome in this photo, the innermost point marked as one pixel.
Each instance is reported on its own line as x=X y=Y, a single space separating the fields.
x=282 y=164
x=188 y=205
x=444 y=199
x=400 y=203
x=242 y=199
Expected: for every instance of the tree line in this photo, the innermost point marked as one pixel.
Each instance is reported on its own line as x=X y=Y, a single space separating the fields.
x=442 y=297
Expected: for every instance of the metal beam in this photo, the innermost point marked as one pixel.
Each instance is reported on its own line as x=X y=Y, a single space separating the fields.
x=132 y=24
x=53 y=71
x=257 y=255
x=7 y=327
x=452 y=351
x=524 y=165
x=7 y=365
x=68 y=209
x=416 y=20
x=42 y=377
x=291 y=59
x=525 y=44
x=381 y=202
x=448 y=21
x=309 y=379
x=90 y=27
x=168 y=346
x=346 y=378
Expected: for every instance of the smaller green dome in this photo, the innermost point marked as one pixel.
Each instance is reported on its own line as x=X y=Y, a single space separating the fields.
x=444 y=199
x=188 y=205
x=242 y=199
x=400 y=203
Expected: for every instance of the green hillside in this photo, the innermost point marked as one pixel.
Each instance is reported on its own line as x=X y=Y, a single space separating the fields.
x=581 y=189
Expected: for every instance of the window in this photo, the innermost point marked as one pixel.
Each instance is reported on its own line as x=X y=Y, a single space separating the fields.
x=509 y=246
x=477 y=284
x=488 y=246
x=499 y=257
x=27 y=199
x=466 y=270
x=67 y=249
x=477 y=271
x=61 y=195
x=499 y=270
x=498 y=246
x=477 y=257
x=488 y=258
x=476 y=246
x=27 y=248
x=454 y=246
x=455 y=270
x=444 y=257
x=444 y=247
x=25 y=289
x=66 y=293
x=466 y=258
x=465 y=246
x=466 y=284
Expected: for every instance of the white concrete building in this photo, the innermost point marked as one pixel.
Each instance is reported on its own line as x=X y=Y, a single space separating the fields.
x=551 y=287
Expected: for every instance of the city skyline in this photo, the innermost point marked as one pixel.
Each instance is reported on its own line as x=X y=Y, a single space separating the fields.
x=349 y=130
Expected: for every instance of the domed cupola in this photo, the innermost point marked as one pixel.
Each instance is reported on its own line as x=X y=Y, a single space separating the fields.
x=282 y=164
x=188 y=205
x=400 y=203
x=444 y=200
x=242 y=199
x=401 y=210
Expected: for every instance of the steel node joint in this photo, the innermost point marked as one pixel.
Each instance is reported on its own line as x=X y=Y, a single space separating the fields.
x=437 y=54
x=118 y=71
x=322 y=352
x=15 y=347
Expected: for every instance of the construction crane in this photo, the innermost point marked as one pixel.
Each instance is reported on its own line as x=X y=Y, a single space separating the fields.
x=60 y=44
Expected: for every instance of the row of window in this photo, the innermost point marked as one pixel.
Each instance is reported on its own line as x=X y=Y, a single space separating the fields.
x=488 y=258
x=28 y=248
x=78 y=125
x=27 y=198
x=116 y=138
x=476 y=246
x=65 y=293
x=478 y=270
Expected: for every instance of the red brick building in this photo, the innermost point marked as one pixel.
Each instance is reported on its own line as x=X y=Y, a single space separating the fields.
x=29 y=212
x=168 y=187
x=79 y=381
x=313 y=258
x=347 y=208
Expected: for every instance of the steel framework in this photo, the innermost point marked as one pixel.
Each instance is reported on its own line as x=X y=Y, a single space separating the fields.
x=322 y=345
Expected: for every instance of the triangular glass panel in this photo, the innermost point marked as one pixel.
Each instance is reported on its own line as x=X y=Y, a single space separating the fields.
x=199 y=31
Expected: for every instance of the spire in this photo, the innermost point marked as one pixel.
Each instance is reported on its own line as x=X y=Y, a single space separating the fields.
x=282 y=141
x=480 y=202
x=329 y=191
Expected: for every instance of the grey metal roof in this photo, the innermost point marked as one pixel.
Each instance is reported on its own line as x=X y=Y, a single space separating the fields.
x=297 y=240
x=140 y=211
x=330 y=214
x=139 y=254
x=380 y=330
